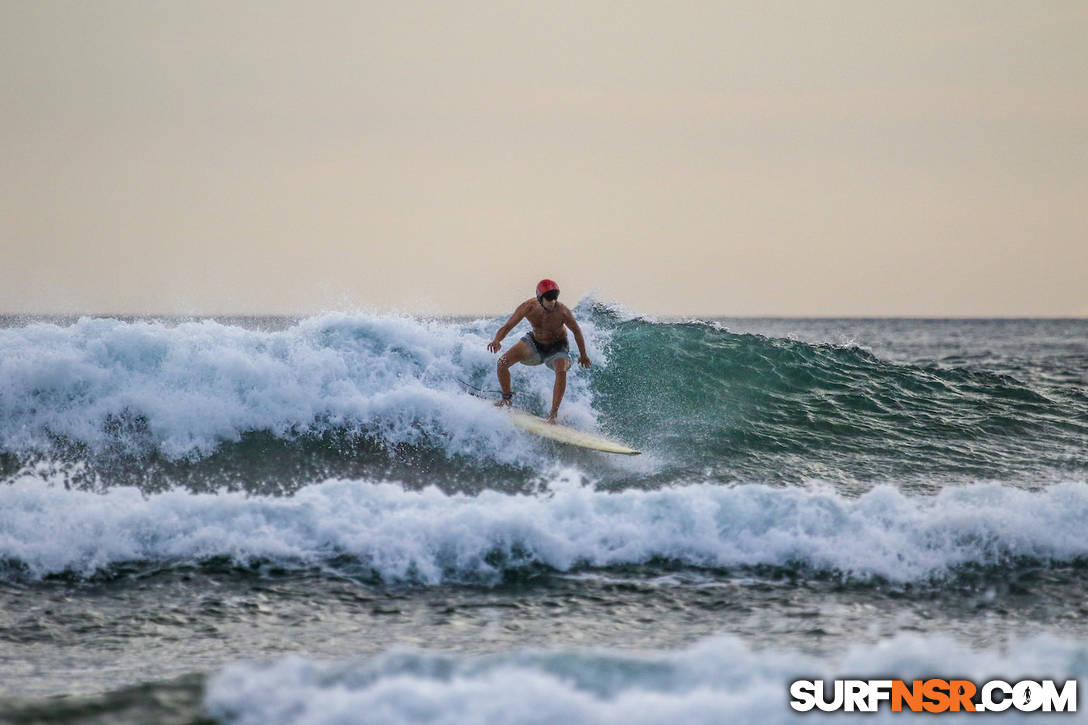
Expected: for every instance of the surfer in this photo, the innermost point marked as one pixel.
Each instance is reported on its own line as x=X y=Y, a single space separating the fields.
x=546 y=343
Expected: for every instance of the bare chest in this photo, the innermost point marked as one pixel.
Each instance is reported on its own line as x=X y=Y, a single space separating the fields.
x=547 y=326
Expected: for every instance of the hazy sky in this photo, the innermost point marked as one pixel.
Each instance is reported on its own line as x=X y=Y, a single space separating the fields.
x=730 y=158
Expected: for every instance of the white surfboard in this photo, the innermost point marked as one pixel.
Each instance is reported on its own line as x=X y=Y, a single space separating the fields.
x=538 y=426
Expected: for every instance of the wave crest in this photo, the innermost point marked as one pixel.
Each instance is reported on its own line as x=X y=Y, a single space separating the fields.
x=429 y=537
x=716 y=679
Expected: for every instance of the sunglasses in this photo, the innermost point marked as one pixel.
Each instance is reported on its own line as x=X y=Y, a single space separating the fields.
x=552 y=294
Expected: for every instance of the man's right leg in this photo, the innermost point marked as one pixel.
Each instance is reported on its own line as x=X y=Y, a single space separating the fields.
x=513 y=356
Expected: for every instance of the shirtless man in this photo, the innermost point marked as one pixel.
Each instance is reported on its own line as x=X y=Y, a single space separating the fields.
x=547 y=343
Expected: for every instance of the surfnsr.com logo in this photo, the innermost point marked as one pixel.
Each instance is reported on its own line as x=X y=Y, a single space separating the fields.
x=933 y=695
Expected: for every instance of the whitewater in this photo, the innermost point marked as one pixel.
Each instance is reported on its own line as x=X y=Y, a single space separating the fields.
x=195 y=513
x=428 y=537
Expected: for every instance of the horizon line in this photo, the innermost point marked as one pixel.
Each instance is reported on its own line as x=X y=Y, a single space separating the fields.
x=671 y=316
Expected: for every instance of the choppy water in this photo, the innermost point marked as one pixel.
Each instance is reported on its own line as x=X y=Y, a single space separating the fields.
x=196 y=514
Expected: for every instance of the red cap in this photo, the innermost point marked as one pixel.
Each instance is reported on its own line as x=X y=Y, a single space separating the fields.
x=546 y=285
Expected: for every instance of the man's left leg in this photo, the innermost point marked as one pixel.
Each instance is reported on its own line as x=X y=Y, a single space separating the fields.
x=560 y=369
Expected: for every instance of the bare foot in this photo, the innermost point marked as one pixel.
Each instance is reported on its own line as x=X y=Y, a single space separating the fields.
x=552 y=420
x=503 y=404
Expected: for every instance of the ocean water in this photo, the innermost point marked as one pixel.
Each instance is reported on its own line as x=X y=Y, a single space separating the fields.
x=315 y=520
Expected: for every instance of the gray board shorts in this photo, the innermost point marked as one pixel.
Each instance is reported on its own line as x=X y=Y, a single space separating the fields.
x=546 y=354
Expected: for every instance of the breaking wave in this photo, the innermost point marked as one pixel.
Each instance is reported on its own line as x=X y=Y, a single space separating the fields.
x=428 y=537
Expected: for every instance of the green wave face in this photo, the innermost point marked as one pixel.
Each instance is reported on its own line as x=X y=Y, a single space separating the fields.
x=746 y=407
x=204 y=405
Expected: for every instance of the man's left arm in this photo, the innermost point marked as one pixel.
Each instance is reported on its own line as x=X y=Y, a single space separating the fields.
x=583 y=358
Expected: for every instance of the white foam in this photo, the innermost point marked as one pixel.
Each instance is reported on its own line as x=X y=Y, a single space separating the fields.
x=430 y=537
x=186 y=388
x=718 y=680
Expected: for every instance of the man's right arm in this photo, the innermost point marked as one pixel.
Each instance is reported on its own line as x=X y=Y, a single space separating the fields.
x=515 y=318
